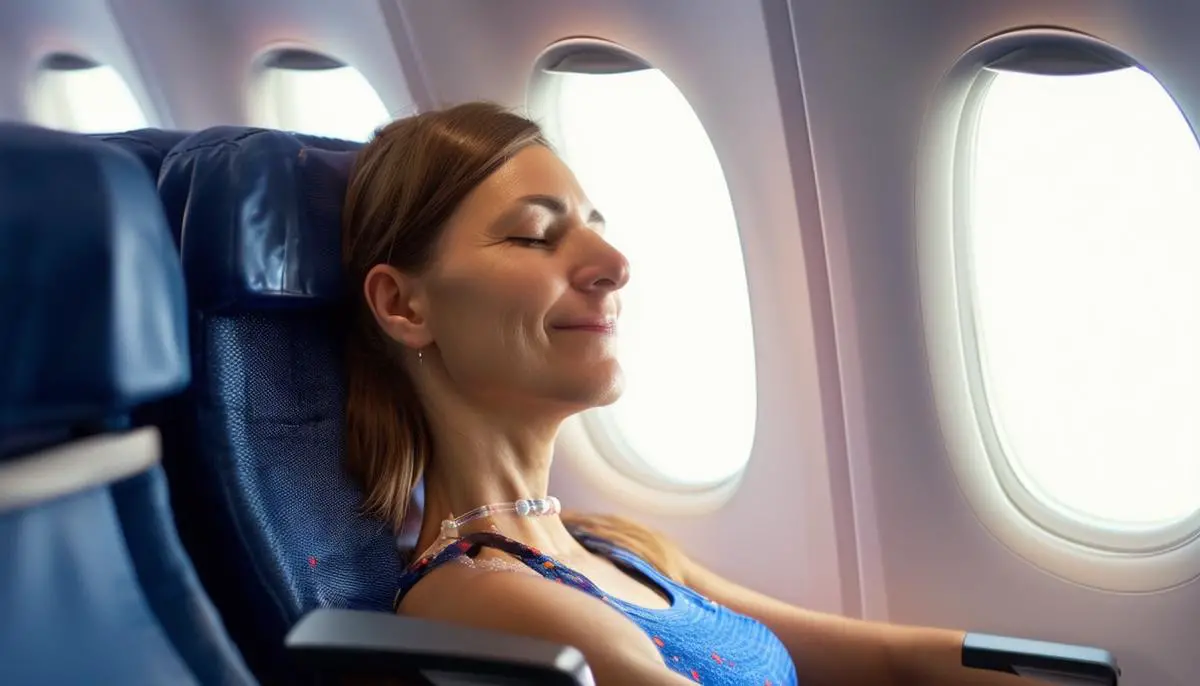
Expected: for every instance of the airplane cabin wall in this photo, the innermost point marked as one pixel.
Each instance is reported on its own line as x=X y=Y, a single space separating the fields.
x=201 y=52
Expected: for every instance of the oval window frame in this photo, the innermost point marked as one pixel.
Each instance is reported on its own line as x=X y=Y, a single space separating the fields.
x=290 y=55
x=590 y=440
x=1097 y=553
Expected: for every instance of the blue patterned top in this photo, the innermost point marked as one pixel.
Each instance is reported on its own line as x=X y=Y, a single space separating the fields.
x=697 y=638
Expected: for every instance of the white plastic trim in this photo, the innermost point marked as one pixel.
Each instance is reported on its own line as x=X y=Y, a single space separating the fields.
x=77 y=466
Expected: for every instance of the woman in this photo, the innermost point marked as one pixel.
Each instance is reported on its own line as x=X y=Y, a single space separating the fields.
x=484 y=300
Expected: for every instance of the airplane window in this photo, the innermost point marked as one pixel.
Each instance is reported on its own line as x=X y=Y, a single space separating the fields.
x=1083 y=247
x=315 y=94
x=76 y=94
x=686 y=419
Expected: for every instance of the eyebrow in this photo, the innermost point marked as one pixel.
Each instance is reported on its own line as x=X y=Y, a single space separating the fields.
x=557 y=206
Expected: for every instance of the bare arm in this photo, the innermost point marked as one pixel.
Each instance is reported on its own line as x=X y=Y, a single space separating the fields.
x=837 y=651
x=617 y=651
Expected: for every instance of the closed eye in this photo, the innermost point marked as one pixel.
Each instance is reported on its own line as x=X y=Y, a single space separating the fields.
x=530 y=242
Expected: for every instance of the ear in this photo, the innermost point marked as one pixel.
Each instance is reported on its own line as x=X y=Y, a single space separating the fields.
x=398 y=305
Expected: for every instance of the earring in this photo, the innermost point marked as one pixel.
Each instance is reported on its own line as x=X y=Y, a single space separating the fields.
x=420 y=357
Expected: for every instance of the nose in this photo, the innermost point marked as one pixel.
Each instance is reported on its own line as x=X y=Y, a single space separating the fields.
x=603 y=269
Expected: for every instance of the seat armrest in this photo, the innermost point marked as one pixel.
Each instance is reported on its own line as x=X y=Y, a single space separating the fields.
x=1056 y=663
x=333 y=642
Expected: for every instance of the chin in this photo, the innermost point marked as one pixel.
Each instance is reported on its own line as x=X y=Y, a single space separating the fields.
x=609 y=395
x=603 y=386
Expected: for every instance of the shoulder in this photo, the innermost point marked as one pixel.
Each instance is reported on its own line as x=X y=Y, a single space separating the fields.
x=520 y=601
x=529 y=605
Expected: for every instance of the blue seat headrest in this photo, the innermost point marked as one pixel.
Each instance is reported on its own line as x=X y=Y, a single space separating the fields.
x=149 y=145
x=254 y=246
x=91 y=291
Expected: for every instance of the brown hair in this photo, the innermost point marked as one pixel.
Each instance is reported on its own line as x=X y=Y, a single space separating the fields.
x=406 y=183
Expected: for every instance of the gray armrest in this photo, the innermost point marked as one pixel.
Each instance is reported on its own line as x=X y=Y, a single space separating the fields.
x=1057 y=663
x=344 y=642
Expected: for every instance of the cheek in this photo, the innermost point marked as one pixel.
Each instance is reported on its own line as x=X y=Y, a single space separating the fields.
x=496 y=317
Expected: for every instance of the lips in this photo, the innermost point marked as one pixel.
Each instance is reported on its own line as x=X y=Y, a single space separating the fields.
x=598 y=325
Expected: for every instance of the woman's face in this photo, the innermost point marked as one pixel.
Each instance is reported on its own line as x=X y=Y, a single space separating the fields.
x=521 y=301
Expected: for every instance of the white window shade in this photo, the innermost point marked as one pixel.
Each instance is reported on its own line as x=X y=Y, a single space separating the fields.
x=1082 y=260
x=687 y=417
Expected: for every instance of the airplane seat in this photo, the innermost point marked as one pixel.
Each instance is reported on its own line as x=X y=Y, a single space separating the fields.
x=150 y=146
x=91 y=294
x=267 y=394
x=292 y=554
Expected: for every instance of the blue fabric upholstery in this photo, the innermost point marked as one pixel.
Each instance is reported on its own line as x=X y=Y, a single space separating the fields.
x=259 y=215
x=149 y=145
x=99 y=263
x=93 y=585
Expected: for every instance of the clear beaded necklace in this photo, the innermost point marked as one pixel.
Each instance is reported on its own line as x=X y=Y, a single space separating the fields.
x=525 y=507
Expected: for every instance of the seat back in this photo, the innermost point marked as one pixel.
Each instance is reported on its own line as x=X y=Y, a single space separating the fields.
x=259 y=213
x=91 y=300
x=170 y=583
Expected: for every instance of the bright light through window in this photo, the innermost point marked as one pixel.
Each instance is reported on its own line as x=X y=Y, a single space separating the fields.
x=90 y=100
x=1084 y=260
x=336 y=103
x=686 y=343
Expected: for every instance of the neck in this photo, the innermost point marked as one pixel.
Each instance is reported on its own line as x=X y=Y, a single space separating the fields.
x=483 y=459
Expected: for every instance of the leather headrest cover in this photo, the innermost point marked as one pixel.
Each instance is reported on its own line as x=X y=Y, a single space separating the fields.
x=92 y=311
x=260 y=213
